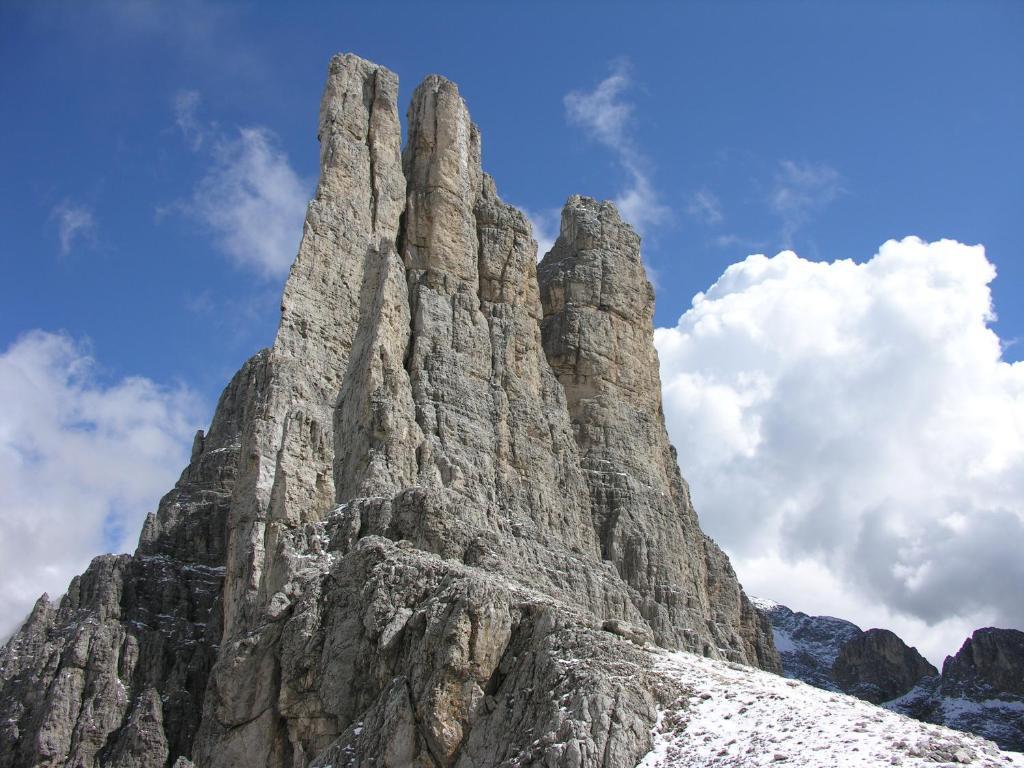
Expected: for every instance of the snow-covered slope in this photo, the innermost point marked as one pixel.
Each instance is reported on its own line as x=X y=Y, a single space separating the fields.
x=994 y=715
x=732 y=715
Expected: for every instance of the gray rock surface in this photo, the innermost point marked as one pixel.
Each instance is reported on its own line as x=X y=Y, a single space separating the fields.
x=990 y=657
x=599 y=338
x=115 y=673
x=980 y=690
x=878 y=666
x=432 y=525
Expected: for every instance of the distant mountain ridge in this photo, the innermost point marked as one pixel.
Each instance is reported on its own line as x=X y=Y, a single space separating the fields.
x=980 y=689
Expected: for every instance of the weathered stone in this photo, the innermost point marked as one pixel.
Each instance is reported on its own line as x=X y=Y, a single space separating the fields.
x=878 y=666
x=416 y=533
x=990 y=657
x=599 y=338
x=116 y=674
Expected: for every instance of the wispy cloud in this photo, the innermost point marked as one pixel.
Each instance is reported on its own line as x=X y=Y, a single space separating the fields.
x=203 y=33
x=250 y=198
x=732 y=240
x=607 y=117
x=545 y=224
x=253 y=201
x=799 y=190
x=75 y=222
x=705 y=206
x=186 y=108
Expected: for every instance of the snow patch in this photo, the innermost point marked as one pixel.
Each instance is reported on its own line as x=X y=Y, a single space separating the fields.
x=738 y=716
x=763 y=603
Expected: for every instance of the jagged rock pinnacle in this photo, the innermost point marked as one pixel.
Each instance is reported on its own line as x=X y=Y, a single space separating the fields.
x=416 y=512
x=599 y=339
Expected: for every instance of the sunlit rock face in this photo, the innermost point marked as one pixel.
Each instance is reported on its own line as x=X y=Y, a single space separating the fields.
x=433 y=524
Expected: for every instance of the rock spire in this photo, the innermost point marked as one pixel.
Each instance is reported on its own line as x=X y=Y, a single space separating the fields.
x=432 y=525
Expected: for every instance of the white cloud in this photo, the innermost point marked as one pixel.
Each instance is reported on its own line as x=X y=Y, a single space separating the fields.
x=75 y=222
x=186 y=109
x=607 y=118
x=81 y=463
x=854 y=438
x=734 y=241
x=252 y=201
x=800 y=189
x=705 y=206
x=545 y=225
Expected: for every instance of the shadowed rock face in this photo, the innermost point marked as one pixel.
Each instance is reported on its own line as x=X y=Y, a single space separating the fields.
x=808 y=645
x=445 y=486
x=116 y=673
x=878 y=666
x=992 y=658
x=981 y=689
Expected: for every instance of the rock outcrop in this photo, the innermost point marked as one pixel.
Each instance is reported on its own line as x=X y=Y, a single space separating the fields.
x=432 y=525
x=878 y=666
x=116 y=673
x=990 y=658
x=599 y=338
x=980 y=689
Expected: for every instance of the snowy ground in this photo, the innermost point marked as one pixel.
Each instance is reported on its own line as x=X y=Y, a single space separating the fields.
x=737 y=716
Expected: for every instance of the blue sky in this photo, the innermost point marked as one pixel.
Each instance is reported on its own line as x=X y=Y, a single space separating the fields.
x=130 y=131
x=918 y=107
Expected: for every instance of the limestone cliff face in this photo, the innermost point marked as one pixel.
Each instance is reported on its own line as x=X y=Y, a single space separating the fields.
x=430 y=526
x=116 y=673
x=599 y=338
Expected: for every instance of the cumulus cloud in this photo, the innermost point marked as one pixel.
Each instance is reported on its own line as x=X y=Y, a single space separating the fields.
x=607 y=117
x=705 y=206
x=799 y=190
x=81 y=463
x=854 y=438
x=75 y=222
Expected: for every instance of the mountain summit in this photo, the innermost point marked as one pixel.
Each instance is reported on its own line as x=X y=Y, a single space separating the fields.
x=445 y=484
x=438 y=523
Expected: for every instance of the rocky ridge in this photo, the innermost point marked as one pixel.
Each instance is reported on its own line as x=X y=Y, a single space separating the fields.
x=980 y=689
x=878 y=666
x=445 y=484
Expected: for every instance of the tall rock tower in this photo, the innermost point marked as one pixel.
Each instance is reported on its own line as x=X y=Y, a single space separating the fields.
x=433 y=525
